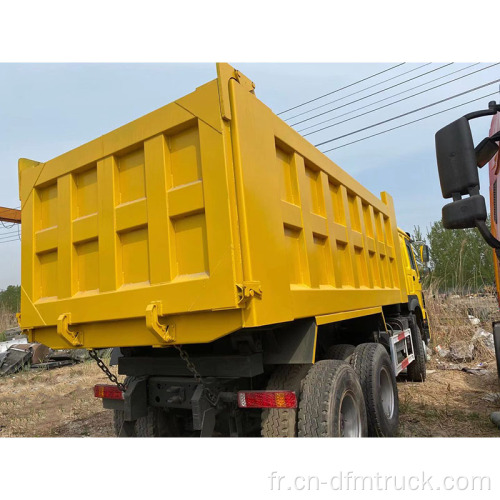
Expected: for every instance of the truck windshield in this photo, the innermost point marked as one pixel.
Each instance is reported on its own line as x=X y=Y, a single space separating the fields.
x=411 y=256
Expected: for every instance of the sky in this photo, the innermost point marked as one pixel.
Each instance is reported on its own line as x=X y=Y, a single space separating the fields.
x=48 y=109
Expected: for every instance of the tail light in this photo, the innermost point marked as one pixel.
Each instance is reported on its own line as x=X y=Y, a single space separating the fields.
x=267 y=399
x=107 y=392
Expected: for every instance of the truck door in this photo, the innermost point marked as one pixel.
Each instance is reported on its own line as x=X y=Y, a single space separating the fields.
x=412 y=275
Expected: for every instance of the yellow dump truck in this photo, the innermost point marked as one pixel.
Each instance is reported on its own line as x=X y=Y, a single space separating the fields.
x=251 y=285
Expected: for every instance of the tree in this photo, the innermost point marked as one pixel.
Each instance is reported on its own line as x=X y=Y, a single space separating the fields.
x=461 y=258
x=10 y=298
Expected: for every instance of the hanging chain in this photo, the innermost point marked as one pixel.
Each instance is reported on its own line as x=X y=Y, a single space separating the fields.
x=100 y=363
x=212 y=398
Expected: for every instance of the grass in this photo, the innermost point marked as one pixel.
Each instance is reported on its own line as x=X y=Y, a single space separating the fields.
x=449 y=322
x=56 y=402
x=450 y=403
x=7 y=320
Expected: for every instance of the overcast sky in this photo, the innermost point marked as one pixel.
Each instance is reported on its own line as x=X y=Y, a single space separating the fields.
x=47 y=109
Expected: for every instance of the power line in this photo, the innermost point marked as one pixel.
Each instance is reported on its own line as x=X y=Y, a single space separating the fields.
x=409 y=123
x=398 y=101
x=358 y=92
x=9 y=241
x=370 y=95
x=4 y=240
x=390 y=97
x=7 y=233
x=342 y=88
x=408 y=113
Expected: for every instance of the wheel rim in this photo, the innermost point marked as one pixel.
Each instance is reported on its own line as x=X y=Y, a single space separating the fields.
x=387 y=393
x=350 y=418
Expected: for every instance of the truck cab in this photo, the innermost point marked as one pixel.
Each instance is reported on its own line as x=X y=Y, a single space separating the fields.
x=416 y=302
x=494 y=171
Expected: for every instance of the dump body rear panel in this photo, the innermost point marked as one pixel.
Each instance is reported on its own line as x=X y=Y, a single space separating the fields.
x=140 y=215
x=211 y=213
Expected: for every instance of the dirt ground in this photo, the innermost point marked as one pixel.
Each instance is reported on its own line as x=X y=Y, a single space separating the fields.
x=449 y=404
x=61 y=403
x=58 y=402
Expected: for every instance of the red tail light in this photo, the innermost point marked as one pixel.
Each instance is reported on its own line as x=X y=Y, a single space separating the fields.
x=107 y=392
x=267 y=399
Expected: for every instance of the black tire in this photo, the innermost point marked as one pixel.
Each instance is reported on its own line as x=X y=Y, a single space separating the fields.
x=340 y=351
x=282 y=422
x=157 y=423
x=332 y=403
x=416 y=371
x=373 y=366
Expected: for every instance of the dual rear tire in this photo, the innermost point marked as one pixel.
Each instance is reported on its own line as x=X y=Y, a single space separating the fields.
x=338 y=398
x=331 y=403
x=157 y=423
x=374 y=369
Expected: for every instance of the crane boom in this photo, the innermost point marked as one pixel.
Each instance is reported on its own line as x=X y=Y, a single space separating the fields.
x=10 y=215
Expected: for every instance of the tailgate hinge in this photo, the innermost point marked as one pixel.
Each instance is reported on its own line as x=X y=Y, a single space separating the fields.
x=248 y=290
x=164 y=332
x=73 y=338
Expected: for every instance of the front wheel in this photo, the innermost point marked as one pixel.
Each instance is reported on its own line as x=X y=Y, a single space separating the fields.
x=417 y=371
x=332 y=403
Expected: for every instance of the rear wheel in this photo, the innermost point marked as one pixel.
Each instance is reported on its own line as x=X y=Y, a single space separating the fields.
x=282 y=422
x=117 y=421
x=340 y=351
x=416 y=371
x=376 y=375
x=332 y=403
x=157 y=423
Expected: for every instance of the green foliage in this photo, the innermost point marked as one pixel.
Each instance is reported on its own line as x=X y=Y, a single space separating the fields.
x=3 y=337
x=462 y=260
x=10 y=298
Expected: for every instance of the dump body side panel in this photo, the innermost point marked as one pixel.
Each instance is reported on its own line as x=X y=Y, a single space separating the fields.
x=314 y=239
x=141 y=215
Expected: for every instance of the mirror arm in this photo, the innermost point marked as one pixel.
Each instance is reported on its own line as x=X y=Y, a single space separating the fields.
x=493 y=109
x=488 y=237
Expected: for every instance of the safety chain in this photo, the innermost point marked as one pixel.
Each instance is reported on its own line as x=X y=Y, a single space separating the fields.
x=212 y=398
x=100 y=363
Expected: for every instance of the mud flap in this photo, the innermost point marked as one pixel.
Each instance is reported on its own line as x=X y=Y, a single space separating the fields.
x=496 y=338
x=135 y=403
x=203 y=413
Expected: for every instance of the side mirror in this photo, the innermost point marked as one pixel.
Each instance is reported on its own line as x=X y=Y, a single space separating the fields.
x=424 y=254
x=464 y=213
x=456 y=158
x=457 y=164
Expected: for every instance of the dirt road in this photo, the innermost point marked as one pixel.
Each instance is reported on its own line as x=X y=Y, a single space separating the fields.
x=61 y=403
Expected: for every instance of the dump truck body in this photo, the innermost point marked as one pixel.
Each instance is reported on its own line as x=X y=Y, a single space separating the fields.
x=210 y=211
x=214 y=246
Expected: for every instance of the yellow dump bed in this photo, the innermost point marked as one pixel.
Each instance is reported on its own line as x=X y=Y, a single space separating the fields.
x=206 y=216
